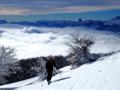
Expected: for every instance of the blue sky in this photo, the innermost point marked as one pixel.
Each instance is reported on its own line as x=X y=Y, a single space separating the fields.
x=94 y=15
x=35 y=7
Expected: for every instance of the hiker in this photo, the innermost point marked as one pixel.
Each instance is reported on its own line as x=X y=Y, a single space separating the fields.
x=49 y=68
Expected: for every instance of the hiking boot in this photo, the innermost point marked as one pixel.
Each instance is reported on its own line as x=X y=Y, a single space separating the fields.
x=49 y=82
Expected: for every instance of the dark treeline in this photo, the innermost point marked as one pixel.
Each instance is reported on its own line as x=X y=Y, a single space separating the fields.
x=28 y=68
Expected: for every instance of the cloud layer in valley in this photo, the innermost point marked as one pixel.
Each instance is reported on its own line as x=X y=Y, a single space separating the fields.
x=52 y=41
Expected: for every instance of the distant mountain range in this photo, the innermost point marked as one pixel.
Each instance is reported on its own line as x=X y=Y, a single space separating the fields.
x=108 y=25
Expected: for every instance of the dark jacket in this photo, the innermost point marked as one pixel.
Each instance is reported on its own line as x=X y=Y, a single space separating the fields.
x=49 y=68
x=50 y=63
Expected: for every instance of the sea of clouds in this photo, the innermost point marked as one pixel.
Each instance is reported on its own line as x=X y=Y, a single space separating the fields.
x=42 y=41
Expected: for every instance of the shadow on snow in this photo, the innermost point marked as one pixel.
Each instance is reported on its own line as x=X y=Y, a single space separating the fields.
x=61 y=79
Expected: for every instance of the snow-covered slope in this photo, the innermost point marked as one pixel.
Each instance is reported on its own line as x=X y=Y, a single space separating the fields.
x=101 y=75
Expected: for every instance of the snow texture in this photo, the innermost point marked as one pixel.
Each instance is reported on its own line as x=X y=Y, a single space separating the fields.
x=101 y=75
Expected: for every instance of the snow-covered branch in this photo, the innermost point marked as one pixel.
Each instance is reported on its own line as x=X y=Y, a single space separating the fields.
x=7 y=55
x=79 y=49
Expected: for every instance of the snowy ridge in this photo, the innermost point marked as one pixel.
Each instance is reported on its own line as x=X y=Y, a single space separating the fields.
x=101 y=75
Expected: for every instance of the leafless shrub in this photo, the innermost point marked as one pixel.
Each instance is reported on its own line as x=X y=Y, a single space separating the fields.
x=7 y=55
x=79 y=49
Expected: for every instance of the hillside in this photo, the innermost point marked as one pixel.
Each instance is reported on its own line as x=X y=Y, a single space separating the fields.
x=101 y=75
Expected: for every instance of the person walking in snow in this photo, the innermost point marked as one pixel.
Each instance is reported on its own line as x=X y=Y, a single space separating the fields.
x=49 y=68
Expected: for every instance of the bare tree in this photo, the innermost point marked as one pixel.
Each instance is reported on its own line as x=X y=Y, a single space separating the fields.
x=7 y=55
x=79 y=49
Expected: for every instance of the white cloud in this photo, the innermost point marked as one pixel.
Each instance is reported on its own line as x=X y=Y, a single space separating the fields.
x=49 y=43
x=27 y=7
x=69 y=9
x=72 y=9
x=13 y=11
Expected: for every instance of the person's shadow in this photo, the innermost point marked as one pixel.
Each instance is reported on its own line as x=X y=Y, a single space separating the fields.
x=61 y=79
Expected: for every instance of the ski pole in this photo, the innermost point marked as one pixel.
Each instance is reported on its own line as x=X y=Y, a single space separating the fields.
x=59 y=73
x=42 y=83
